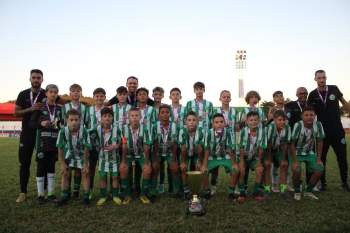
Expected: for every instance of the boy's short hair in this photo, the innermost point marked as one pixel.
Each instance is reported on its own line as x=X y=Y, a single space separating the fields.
x=191 y=113
x=277 y=93
x=37 y=71
x=122 y=90
x=75 y=87
x=134 y=109
x=159 y=89
x=319 y=72
x=51 y=86
x=216 y=115
x=198 y=85
x=142 y=89
x=73 y=112
x=106 y=110
x=252 y=94
x=164 y=106
x=252 y=114
x=132 y=77
x=175 y=89
x=279 y=113
x=225 y=91
x=99 y=90
x=308 y=109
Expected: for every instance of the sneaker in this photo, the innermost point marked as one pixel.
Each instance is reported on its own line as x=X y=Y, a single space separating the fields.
x=323 y=187
x=345 y=187
x=316 y=189
x=86 y=201
x=101 y=201
x=21 y=197
x=233 y=197
x=144 y=200
x=213 y=190
x=161 y=188
x=126 y=201
x=41 y=200
x=51 y=198
x=117 y=200
x=291 y=189
x=311 y=195
x=297 y=196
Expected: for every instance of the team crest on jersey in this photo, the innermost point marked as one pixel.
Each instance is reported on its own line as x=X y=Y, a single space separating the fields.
x=332 y=97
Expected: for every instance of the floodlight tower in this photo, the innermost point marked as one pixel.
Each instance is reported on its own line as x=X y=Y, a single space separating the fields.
x=241 y=59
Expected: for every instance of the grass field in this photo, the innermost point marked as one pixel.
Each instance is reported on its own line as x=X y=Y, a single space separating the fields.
x=330 y=214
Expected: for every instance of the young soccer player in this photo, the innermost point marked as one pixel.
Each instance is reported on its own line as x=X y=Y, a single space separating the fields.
x=177 y=113
x=252 y=146
x=108 y=138
x=203 y=108
x=307 y=142
x=252 y=98
x=220 y=152
x=73 y=145
x=75 y=92
x=148 y=113
x=136 y=152
x=94 y=120
x=122 y=108
x=278 y=99
x=165 y=148
x=46 y=152
x=229 y=114
x=191 y=141
x=278 y=143
x=158 y=95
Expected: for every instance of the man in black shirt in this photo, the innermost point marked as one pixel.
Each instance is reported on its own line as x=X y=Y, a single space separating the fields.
x=325 y=100
x=28 y=101
x=132 y=84
x=295 y=108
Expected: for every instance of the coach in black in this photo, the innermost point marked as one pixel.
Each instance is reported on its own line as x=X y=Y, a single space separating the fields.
x=27 y=102
x=132 y=84
x=295 y=108
x=325 y=100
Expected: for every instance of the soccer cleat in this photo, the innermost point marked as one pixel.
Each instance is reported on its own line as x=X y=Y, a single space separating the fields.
x=233 y=197
x=297 y=196
x=101 y=201
x=311 y=195
x=117 y=200
x=41 y=200
x=86 y=201
x=345 y=187
x=144 y=200
x=161 y=188
x=126 y=201
x=213 y=190
x=21 y=198
x=51 y=198
x=323 y=187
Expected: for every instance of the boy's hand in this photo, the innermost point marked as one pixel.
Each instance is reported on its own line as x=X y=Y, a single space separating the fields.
x=45 y=124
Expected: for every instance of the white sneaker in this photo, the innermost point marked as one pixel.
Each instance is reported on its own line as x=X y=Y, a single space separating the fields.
x=316 y=189
x=290 y=188
x=311 y=195
x=212 y=190
x=297 y=196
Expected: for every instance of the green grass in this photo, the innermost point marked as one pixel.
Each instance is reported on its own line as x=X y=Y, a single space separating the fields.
x=329 y=214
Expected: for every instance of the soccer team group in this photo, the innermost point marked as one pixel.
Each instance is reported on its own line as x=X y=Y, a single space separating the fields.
x=132 y=148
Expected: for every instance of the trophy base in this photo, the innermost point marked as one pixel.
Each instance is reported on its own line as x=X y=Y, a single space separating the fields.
x=196 y=208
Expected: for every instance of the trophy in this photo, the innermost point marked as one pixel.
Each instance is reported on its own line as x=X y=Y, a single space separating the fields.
x=195 y=205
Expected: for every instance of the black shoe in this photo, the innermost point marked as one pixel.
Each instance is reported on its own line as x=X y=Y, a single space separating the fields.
x=76 y=194
x=41 y=200
x=322 y=187
x=86 y=201
x=233 y=197
x=51 y=198
x=62 y=202
x=345 y=187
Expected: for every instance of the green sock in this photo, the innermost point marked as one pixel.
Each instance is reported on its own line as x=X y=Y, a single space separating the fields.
x=115 y=192
x=145 y=186
x=283 y=188
x=231 y=189
x=176 y=184
x=77 y=181
x=241 y=189
x=256 y=188
x=103 y=192
x=267 y=188
x=124 y=187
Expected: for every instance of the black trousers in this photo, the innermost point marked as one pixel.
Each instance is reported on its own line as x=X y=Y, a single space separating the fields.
x=339 y=146
x=25 y=152
x=46 y=164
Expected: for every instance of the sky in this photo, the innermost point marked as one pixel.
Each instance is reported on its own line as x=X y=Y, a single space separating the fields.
x=174 y=44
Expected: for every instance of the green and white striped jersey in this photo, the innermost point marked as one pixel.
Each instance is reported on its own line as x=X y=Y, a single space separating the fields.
x=73 y=145
x=230 y=116
x=191 y=141
x=218 y=143
x=275 y=138
x=82 y=108
x=136 y=141
x=305 y=138
x=148 y=116
x=165 y=137
x=120 y=113
x=250 y=144
x=177 y=115
x=246 y=110
x=94 y=117
x=204 y=111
